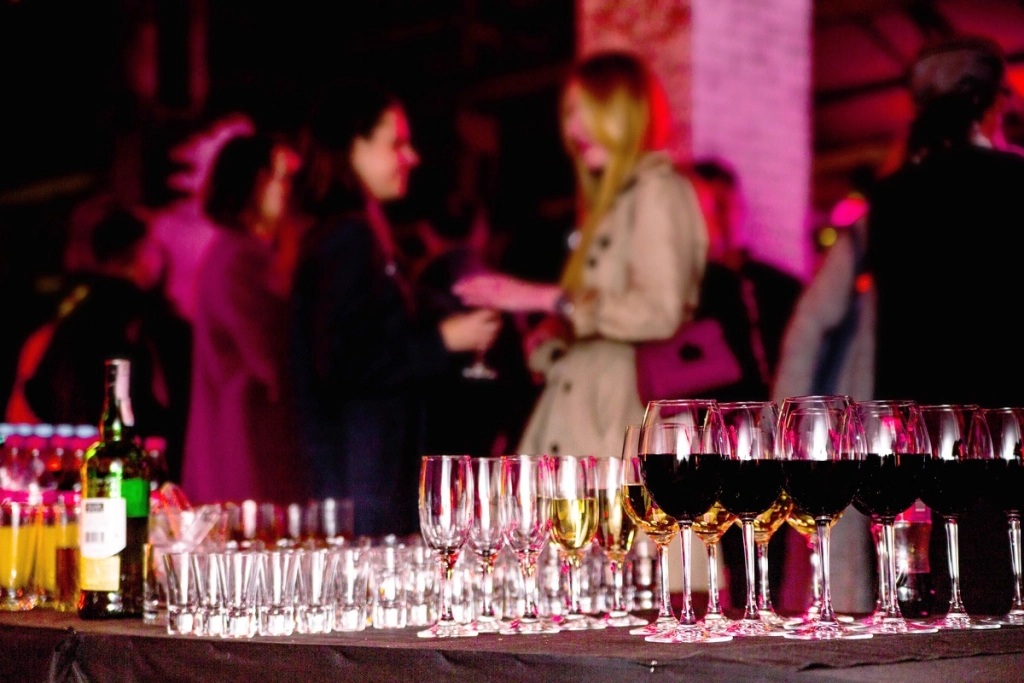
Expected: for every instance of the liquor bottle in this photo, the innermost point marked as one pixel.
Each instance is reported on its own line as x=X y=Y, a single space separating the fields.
x=913 y=530
x=114 y=519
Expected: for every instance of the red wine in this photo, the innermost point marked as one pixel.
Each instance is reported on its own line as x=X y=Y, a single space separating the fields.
x=890 y=484
x=684 y=486
x=822 y=488
x=749 y=487
x=952 y=487
x=1005 y=484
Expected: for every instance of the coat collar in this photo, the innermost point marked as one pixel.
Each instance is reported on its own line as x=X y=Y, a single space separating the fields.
x=650 y=162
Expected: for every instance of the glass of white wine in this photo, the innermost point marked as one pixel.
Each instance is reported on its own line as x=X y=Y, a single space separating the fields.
x=574 y=519
x=765 y=526
x=710 y=527
x=615 y=531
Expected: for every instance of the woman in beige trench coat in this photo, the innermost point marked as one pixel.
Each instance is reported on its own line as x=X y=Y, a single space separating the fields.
x=634 y=275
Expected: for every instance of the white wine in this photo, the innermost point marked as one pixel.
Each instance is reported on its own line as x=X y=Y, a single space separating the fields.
x=573 y=522
x=615 y=528
x=805 y=524
x=769 y=521
x=642 y=509
x=710 y=526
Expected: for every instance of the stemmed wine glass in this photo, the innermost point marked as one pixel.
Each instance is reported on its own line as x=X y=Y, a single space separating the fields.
x=486 y=535
x=446 y=515
x=961 y=452
x=1005 y=490
x=574 y=519
x=615 y=531
x=765 y=526
x=897 y=447
x=681 y=449
x=710 y=527
x=751 y=483
x=525 y=514
x=821 y=457
x=658 y=526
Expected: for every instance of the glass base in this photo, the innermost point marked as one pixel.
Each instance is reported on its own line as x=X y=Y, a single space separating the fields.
x=962 y=622
x=479 y=371
x=752 y=628
x=453 y=630
x=487 y=624
x=690 y=633
x=528 y=627
x=659 y=625
x=771 y=618
x=716 y=622
x=828 y=631
x=1010 y=619
x=580 y=622
x=883 y=626
x=623 y=620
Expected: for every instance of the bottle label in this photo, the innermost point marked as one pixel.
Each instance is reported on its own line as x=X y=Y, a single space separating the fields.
x=102 y=574
x=135 y=493
x=102 y=529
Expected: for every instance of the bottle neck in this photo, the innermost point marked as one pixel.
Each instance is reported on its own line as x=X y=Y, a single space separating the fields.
x=118 y=420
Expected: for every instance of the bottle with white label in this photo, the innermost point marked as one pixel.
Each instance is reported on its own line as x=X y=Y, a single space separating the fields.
x=114 y=520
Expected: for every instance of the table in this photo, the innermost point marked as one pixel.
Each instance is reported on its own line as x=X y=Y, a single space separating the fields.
x=42 y=646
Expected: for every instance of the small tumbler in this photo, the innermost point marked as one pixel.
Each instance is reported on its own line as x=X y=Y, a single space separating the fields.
x=314 y=612
x=18 y=530
x=210 y=611
x=389 y=606
x=238 y=573
x=279 y=570
x=351 y=594
x=182 y=593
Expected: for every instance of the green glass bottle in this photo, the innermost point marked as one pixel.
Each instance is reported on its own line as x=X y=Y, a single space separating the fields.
x=114 y=520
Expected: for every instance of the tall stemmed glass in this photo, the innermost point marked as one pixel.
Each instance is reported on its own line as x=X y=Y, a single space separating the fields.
x=765 y=526
x=751 y=483
x=486 y=535
x=681 y=450
x=574 y=520
x=526 y=519
x=446 y=515
x=709 y=528
x=1005 y=490
x=615 y=531
x=821 y=456
x=658 y=526
x=897 y=446
x=961 y=452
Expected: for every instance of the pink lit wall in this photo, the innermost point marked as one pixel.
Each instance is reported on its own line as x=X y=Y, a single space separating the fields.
x=738 y=77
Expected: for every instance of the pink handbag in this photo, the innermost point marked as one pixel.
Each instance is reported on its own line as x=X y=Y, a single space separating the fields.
x=694 y=360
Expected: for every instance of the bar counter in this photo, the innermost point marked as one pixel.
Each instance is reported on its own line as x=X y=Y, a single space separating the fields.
x=42 y=646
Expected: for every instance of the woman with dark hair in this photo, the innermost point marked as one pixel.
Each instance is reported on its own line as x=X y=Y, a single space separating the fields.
x=241 y=440
x=361 y=357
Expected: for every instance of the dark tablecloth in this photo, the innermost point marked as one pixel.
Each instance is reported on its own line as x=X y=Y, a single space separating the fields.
x=44 y=646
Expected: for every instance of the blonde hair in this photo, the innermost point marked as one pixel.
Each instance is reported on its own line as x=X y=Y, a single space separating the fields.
x=626 y=112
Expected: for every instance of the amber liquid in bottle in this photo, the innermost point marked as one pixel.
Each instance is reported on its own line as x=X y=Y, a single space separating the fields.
x=114 y=519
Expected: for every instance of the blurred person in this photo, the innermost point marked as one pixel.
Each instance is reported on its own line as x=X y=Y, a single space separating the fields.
x=634 y=275
x=944 y=239
x=241 y=439
x=363 y=358
x=116 y=310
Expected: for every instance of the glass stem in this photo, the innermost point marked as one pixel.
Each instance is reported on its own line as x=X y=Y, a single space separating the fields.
x=815 y=573
x=1015 y=562
x=825 y=614
x=487 y=610
x=618 y=604
x=956 y=605
x=876 y=535
x=575 y=561
x=665 y=610
x=714 y=599
x=764 y=600
x=687 y=617
x=892 y=607
x=448 y=560
x=528 y=565
x=750 y=563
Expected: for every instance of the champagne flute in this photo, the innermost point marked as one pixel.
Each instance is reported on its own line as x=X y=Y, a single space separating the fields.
x=526 y=519
x=752 y=480
x=821 y=455
x=486 y=535
x=1005 y=490
x=765 y=526
x=574 y=520
x=446 y=515
x=710 y=527
x=615 y=531
x=897 y=446
x=681 y=451
x=961 y=452
x=653 y=521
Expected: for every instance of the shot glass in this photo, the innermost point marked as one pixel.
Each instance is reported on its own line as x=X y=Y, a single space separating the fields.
x=238 y=574
x=389 y=602
x=210 y=610
x=154 y=587
x=351 y=594
x=420 y=586
x=279 y=571
x=182 y=593
x=314 y=611
x=18 y=531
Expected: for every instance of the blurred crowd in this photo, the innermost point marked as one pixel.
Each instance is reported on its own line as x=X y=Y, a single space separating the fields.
x=288 y=345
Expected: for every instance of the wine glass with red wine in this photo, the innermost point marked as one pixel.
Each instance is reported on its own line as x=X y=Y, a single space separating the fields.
x=1004 y=488
x=821 y=450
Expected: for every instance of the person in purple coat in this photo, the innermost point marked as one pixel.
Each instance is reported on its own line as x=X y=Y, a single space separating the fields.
x=241 y=440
